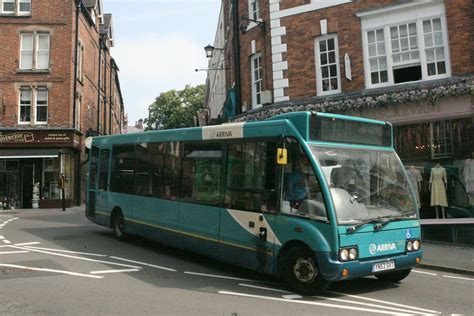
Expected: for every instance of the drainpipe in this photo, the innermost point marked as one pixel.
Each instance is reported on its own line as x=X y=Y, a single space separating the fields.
x=98 y=86
x=111 y=99
x=76 y=53
x=236 y=43
x=105 y=89
x=78 y=179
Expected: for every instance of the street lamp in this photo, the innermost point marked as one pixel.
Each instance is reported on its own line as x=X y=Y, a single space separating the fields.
x=209 y=49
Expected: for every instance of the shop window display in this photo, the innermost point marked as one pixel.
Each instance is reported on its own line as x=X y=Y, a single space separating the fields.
x=448 y=142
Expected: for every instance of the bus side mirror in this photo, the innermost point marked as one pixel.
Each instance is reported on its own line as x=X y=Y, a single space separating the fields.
x=282 y=156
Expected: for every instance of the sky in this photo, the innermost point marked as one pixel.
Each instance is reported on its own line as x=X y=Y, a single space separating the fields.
x=158 y=46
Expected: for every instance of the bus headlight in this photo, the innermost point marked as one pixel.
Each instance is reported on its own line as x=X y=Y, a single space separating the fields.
x=344 y=254
x=413 y=245
x=416 y=245
x=348 y=253
x=353 y=254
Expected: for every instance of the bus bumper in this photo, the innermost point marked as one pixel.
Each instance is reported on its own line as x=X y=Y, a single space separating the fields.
x=332 y=269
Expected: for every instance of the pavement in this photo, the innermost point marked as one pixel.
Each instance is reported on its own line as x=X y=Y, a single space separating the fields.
x=448 y=257
x=436 y=256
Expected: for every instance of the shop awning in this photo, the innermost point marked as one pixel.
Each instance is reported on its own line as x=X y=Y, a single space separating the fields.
x=28 y=153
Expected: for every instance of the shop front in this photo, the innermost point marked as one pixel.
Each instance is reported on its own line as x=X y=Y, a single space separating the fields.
x=31 y=164
x=435 y=141
x=431 y=135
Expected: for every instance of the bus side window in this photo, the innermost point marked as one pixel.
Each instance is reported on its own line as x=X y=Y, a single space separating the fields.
x=171 y=171
x=251 y=176
x=122 y=176
x=201 y=175
x=94 y=168
x=143 y=170
x=104 y=169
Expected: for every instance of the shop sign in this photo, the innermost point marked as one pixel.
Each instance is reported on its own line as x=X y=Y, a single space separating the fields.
x=19 y=137
x=57 y=137
x=39 y=138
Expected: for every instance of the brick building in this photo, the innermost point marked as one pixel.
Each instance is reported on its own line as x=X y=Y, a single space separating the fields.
x=407 y=62
x=58 y=85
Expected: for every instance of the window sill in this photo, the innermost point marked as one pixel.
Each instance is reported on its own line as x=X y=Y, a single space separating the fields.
x=33 y=71
x=389 y=84
x=13 y=15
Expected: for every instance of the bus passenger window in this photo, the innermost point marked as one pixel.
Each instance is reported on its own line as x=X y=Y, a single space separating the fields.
x=104 y=169
x=172 y=170
x=122 y=176
x=251 y=177
x=143 y=171
x=201 y=176
x=94 y=167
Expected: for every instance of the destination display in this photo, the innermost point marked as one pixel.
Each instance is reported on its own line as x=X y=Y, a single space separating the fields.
x=330 y=129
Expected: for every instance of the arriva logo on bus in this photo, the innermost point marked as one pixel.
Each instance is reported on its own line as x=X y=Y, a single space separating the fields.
x=373 y=248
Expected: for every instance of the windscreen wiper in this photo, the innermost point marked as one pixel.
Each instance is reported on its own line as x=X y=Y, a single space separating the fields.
x=355 y=227
x=380 y=221
x=390 y=218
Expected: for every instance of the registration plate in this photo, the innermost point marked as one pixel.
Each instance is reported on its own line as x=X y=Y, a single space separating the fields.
x=383 y=266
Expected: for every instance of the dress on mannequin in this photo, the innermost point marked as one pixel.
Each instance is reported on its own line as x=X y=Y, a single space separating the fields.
x=438 y=180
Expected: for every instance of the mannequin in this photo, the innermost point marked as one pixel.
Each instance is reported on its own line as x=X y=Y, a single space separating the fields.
x=416 y=179
x=438 y=183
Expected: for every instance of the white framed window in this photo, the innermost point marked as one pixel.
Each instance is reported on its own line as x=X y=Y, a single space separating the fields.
x=411 y=45
x=34 y=51
x=254 y=10
x=256 y=76
x=26 y=98
x=434 y=47
x=327 y=65
x=18 y=7
x=24 y=6
x=41 y=106
x=27 y=51
x=377 y=56
x=8 y=6
x=33 y=101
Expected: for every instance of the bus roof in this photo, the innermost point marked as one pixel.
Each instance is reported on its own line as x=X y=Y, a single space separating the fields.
x=287 y=124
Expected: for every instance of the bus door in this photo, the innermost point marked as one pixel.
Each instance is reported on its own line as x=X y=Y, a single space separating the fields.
x=246 y=236
x=92 y=184
x=103 y=181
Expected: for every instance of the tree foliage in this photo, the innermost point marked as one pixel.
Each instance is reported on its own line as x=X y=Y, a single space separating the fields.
x=176 y=108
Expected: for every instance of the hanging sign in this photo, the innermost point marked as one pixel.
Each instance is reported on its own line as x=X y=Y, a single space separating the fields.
x=347 y=66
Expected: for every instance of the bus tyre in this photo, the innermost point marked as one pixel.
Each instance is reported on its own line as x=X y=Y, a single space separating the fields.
x=300 y=271
x=118 y=224
x=393 y=277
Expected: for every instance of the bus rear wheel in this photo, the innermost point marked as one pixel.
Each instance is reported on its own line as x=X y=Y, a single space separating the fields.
x=118 y=224
x=300 y=271
x=393 y=277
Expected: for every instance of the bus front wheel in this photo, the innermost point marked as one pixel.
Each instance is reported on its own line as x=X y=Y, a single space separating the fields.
x=300 y=271
x=118 y=224
x=393 y=277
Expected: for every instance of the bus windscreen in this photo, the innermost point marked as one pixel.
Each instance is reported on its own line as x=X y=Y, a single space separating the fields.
x=329 y=129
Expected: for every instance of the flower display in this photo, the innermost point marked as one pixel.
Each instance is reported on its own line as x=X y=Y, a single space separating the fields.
x=388 y=97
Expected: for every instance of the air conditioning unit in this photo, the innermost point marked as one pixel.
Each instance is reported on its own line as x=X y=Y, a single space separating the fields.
x=266 y=97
